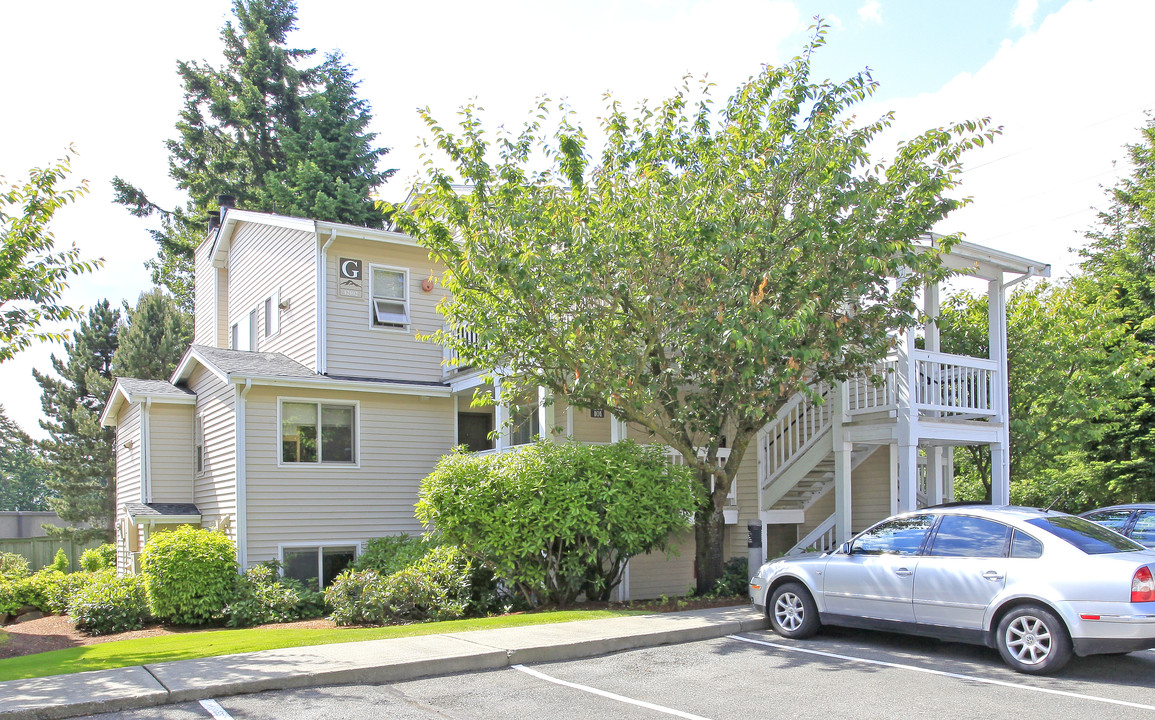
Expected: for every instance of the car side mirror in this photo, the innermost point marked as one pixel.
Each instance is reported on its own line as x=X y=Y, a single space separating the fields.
x=846 y=548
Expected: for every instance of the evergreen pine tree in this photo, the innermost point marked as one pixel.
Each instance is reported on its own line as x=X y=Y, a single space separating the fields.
x=22 y=473
x=1119 y=264
x=259 y=121
x=78 y=451
x=157 y=335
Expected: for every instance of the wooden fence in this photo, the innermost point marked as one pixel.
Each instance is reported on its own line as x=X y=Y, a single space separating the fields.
x=41 y=551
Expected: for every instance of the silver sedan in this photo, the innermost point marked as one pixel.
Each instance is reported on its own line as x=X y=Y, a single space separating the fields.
x=1039 y=586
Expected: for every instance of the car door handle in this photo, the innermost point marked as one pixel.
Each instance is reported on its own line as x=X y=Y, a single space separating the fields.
x=903 y=572
x=993 y=575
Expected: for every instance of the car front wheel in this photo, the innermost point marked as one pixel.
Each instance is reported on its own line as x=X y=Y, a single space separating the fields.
x=792 y=611
x=1033 y=640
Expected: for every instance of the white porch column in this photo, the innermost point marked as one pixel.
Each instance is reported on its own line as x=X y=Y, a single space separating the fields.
x=843 y=507
x=500 y=416
x=1000 y=450
x=907 y=477
x=948 y=476
x=934 y=480
x=892 y=450
x=618 y=429
x=545 y=414
x=930 y=306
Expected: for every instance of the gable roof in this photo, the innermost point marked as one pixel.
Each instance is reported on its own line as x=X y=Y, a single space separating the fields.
x=132 y=390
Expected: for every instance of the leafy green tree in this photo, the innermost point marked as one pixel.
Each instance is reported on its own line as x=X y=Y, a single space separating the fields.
x=79 y=451
x=156 y=336
x=706 y=269
x=33 y=274
x=1070 y=361
x=277 y=136
x=1119 y=266
x=22 y=473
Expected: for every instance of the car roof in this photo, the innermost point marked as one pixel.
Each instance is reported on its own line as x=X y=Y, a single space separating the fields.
x=1125 y=506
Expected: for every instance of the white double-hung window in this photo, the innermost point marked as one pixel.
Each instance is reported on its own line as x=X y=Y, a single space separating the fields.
x=390 y=303
x=318 y=432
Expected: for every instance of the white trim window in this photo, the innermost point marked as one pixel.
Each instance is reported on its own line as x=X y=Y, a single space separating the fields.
x=272 y=315
x=318 y=432
x=389 y=302
x=199 y=446
x=317 y=565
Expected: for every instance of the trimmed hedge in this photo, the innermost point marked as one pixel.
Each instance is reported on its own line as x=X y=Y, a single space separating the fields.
x=190 y=575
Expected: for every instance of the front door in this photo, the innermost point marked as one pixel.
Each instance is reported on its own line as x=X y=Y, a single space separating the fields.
x=876 y=580
x=473 y=431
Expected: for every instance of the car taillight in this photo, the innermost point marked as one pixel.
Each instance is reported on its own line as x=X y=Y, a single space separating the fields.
x=1143 y=586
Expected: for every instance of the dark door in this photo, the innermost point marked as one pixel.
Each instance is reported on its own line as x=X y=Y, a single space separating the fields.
x=473 y=431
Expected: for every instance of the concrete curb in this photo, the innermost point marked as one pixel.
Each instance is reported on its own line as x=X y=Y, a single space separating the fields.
x=373 y=661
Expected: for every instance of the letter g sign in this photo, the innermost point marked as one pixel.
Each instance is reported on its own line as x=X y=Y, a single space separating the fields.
x=350 y=269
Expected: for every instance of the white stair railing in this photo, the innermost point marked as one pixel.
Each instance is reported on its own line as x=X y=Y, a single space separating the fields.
x=820 y=538
x=874 y=391
x=797 y=426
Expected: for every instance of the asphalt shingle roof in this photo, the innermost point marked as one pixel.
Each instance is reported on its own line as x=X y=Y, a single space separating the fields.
x=264 y=364
x=141 y=510
x=152 y=387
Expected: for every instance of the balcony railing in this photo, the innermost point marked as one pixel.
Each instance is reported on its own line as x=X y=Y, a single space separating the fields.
x=954 y=385
x=450 y=360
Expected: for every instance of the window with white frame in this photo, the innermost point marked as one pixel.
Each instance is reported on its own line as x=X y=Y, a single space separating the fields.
x=317 y=565
x=390 y=297
x=272 y=315
x=313 y=432
x=235 y=337
x=199 y=445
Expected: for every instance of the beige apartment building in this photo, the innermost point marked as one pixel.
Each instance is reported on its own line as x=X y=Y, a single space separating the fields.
x=305 y=414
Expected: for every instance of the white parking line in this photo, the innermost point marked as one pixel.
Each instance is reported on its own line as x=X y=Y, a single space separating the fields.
x=610 y=695
x=216 y=710
x=943 y=673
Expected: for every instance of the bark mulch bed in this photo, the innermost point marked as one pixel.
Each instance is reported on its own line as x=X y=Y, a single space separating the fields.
x=56 y=632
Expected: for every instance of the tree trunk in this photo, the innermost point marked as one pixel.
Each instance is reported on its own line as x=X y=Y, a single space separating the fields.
x=709 y=528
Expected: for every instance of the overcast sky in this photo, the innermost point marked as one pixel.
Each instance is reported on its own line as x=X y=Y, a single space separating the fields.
x=1069 y=81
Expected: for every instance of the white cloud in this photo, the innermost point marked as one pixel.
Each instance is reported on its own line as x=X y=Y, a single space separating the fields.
x=1068 y=96
x=870 y=12
x=1025 y=13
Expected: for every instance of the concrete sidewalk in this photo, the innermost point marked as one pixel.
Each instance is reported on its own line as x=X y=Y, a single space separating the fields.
x=373 y=661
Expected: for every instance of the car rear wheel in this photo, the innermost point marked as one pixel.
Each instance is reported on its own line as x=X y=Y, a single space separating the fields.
x=792 y=611
x=1033 y=640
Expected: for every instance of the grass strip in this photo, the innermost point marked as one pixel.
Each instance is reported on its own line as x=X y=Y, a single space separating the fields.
x=201 y=644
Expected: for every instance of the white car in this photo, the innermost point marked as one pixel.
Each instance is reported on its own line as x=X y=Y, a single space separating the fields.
x=1036 y=585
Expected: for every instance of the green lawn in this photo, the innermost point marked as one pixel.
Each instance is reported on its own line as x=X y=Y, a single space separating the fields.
x=184 y=646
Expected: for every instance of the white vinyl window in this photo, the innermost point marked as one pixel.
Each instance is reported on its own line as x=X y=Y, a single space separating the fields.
x=235 y=337
x=313 y=432
x=199 y=446
x=390 y=297
x=272 y=315
x=316 y=566
x=252 y=330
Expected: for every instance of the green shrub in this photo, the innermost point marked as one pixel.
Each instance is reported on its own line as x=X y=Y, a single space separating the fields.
x=13 y=567
x=735 y=580
x=190 y=575
x=389 y=554
x=61 y=563
x=8 y=602
x=97 y=559
x=110 y=604
x=357 y=597
x=263 y=596
x=555 y=520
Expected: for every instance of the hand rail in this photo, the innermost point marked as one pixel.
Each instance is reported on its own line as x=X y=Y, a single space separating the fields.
x=821 y=537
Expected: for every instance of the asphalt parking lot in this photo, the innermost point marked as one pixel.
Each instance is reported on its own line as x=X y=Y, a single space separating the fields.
x=838 y=674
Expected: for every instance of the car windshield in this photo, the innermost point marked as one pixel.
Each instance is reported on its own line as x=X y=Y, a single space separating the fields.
x=1087 y=536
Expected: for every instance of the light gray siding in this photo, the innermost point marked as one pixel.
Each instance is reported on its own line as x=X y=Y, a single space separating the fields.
x=204 y=296
x=270 y=262
x=170 y=429
x=653 y=575
x=354 y=347
x=128 y=454
x=128 y=477
x=215 y=490
x=400 y=439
